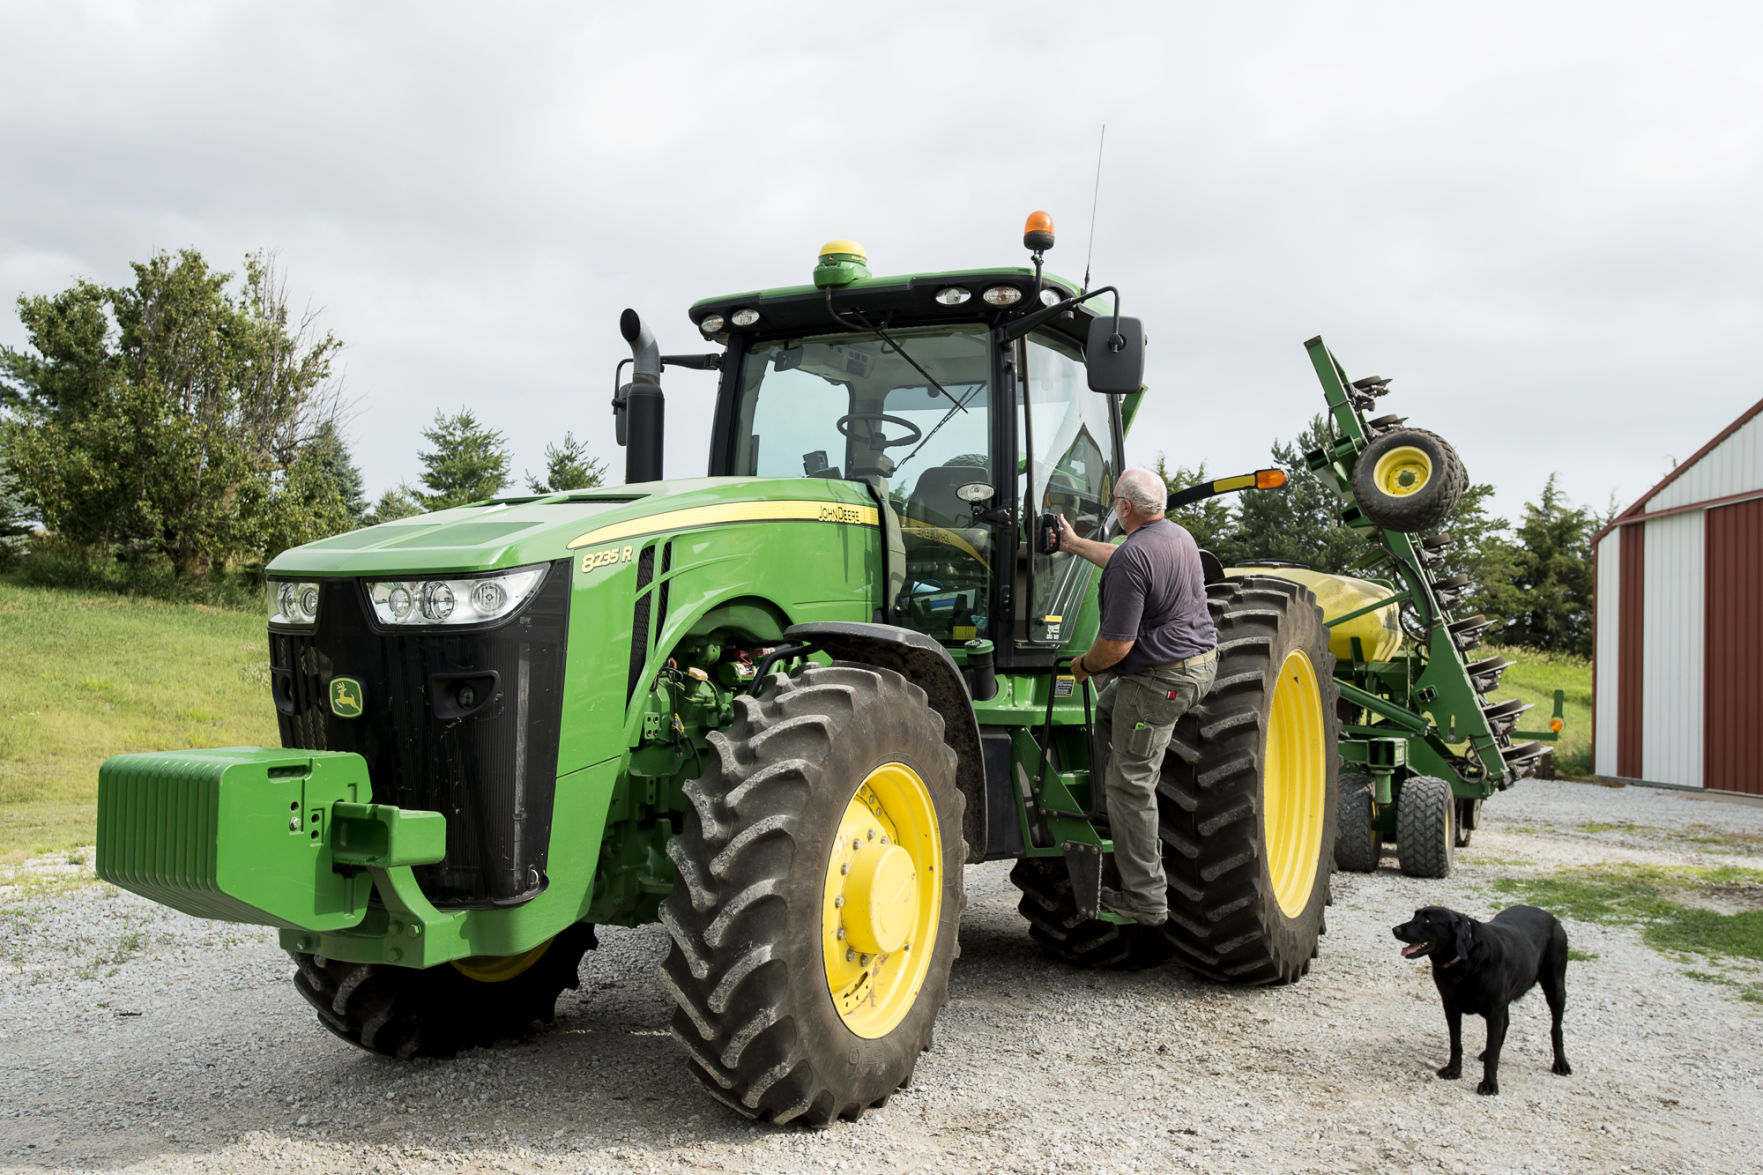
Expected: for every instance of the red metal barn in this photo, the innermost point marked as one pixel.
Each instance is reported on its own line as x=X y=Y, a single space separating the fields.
x=1678 y=670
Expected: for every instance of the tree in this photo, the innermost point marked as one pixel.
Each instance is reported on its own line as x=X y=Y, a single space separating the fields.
x=155 y=418
x=1301 y=522
x=1547 y=600
x=469 y=462
x=301 y=505
x=1482 y=552
x=15 y=519
x=398 y=502
x=568 y=467
x=331 y=455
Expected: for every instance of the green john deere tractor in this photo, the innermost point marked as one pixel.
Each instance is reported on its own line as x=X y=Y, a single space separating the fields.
x=777 y=709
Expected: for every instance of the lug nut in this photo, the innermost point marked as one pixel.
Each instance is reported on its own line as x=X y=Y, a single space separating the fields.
x=872 y=834
x=863 y=960
x=839 y=933
x=838 y=902
x=884 y=840
x=850 y=956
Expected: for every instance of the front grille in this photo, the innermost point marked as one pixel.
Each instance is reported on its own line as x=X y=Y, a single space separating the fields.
x=492 y=771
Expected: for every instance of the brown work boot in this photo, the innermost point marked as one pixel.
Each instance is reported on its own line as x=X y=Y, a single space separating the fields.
x=1115 y=902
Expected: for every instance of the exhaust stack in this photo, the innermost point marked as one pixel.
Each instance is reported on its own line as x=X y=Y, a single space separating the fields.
x=638 y=407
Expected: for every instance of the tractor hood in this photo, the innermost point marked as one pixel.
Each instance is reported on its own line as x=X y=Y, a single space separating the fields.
x=515 y=532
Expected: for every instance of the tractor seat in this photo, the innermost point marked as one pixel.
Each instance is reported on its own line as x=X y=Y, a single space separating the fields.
x=934 y=504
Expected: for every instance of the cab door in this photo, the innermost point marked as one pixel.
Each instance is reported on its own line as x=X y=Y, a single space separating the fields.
x=1068 y=459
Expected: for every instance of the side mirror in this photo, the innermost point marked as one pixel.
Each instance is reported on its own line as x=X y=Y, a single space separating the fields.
x=1115 y=356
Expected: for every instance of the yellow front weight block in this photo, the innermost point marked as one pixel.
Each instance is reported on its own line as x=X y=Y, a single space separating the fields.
x=1402 y=471
x=882 y=900
x=1295 y=788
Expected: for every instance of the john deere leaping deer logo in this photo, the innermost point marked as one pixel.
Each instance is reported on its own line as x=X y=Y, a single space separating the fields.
x=346 y=697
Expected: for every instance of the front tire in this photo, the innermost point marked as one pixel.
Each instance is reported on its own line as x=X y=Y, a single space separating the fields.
x=820 y=887
x=438 y=1011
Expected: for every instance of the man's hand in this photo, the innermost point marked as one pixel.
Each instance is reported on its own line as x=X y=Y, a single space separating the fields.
x=1099 y=658
x=1065 y=536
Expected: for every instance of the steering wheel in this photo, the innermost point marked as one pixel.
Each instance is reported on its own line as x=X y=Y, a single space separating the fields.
x=913 y=432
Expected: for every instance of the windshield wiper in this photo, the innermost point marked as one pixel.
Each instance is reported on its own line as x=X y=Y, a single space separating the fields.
x=865 y=324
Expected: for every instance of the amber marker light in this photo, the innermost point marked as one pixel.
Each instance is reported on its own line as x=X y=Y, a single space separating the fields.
x=1269 y=479
x=1555 y=725
x=1037 y=232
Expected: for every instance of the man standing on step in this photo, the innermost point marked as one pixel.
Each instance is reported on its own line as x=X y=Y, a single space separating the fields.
x=1158 y=640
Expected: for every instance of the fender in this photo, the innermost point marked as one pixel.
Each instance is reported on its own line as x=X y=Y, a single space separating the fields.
x=926 y=664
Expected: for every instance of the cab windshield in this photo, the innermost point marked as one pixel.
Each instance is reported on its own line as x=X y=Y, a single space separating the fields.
x=851 y=406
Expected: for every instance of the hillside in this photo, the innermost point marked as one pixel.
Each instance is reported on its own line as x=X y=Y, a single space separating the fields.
x=88 y=676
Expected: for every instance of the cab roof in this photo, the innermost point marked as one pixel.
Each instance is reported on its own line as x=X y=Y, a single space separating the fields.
x=903 y=300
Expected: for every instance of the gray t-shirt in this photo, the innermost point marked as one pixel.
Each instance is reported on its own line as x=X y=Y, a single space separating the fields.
x=1154 y=594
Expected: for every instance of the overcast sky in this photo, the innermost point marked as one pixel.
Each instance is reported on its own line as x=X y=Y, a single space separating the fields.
x=1545 y=221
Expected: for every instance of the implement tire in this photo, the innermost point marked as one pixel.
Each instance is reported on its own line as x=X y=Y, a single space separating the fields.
x=436 y=1012
x=1409 y=480
x=1426 y=819
x=820 y=889
x=1248 y=793
x=1358 y=845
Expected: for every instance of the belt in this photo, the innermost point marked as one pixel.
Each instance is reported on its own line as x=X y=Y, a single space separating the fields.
x=1196 y=659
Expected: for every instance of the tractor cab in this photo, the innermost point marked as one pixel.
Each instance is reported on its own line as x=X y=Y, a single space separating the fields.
x=964 y=402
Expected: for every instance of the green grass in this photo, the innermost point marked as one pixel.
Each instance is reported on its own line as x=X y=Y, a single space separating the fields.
x=1675 y=910
x=1535 y=678
x=90 y=675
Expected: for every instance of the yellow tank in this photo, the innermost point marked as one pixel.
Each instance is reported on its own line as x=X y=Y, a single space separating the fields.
x=1379 y=632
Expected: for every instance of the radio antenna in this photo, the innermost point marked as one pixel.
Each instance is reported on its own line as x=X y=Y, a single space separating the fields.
x=1090 y=252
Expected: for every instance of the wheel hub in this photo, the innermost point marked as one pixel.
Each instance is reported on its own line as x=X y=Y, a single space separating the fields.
x=1402 y=471
x=882 y=900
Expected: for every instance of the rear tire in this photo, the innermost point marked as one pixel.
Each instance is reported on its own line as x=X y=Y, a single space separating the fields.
x=1227 y=873
x=1426 y=822
x=1408 y=479
x=820 y=887
x=436 y=1012
x=1358 y=845
x=1249 y=791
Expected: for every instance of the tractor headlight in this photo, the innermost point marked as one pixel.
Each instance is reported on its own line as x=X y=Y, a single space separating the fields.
x=476 y=599
x=293 y=603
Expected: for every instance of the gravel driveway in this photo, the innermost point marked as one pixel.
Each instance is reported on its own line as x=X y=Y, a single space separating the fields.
x=135 y=1039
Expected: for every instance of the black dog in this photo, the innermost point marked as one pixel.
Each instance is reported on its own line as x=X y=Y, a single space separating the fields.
x=1481 y=967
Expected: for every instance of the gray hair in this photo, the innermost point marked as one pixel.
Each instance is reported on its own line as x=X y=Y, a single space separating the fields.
x=1147 y=492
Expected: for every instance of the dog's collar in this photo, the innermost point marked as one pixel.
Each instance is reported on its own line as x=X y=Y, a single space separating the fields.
x=1453 y=962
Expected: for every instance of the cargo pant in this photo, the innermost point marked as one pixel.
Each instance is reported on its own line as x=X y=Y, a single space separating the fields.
x=1136 y=714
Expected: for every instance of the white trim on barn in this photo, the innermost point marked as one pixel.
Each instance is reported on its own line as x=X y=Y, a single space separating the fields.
x=1605 y=665
x=1672 y=652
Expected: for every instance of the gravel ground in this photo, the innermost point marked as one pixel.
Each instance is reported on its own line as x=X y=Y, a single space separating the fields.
x=135 y=1039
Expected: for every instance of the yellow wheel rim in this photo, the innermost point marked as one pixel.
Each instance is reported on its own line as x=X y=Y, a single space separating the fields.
x=1295 y=788
x=499 y=968
x=882 y=901
x=1402 y=471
